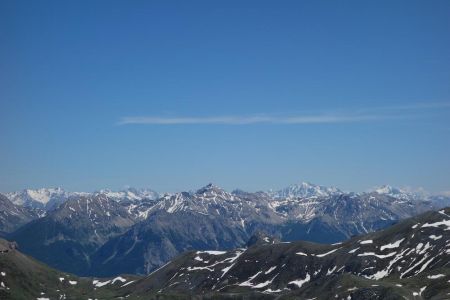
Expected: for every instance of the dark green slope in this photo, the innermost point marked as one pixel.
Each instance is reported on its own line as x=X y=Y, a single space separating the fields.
x=22 y=277
x=410 y=260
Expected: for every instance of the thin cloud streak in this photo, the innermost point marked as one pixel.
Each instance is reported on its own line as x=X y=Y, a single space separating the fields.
x=247 y=120
x=373 y=114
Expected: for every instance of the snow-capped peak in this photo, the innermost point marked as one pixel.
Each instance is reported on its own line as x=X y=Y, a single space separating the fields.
x=405 y=193
x=389 y=190
x=305 y=190
x=49 y=198
x=40 y=197
x=129 y=194
x=214 y=192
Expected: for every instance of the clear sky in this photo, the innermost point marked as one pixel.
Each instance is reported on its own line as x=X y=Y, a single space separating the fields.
x=173 y=95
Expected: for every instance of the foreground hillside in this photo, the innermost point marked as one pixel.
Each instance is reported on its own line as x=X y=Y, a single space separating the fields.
x=410 y=260
x=23 y=278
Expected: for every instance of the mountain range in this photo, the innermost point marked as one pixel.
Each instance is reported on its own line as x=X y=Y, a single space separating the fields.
x=409 y=260
x=50 y=198
x=134 y=231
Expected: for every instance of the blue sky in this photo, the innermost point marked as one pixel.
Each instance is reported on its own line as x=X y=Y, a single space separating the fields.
x=172 y=95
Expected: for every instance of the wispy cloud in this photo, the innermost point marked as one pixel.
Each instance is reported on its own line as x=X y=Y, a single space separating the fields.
x=246 y=120
x=373 y=114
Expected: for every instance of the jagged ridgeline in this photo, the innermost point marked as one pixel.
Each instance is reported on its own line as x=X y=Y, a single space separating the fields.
x=136 y=231
x=409 y=260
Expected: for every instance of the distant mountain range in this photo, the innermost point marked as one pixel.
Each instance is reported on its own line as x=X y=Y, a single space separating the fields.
x=136 y=231
x=409 y=260
x=50 y=198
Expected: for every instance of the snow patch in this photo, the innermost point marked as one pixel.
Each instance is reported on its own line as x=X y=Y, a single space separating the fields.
x=212 y=252
x=98 y=283
x=437 y=224
x=366 y=242
x=129 y=282
x=329 y=252
x=330 y=271
x=119 y=278
x=272 y=291
x=392 y=245
x=377 y=255
x=300 y=282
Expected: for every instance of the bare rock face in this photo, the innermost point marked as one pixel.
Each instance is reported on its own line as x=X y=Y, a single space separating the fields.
x=13 y=216
x=6 y=247
x=66 y=237
x=262 y=238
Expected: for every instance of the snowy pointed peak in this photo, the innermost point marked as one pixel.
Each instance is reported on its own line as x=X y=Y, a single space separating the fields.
x=306 y=190
x=210 y=189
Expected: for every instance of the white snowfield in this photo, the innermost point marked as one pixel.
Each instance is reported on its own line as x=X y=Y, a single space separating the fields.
x=270 y=270
x=212 y=252
x=300 y=282
x=99 y=283
x=366 y=242
x=377 y=255
x=392 y=245
x=327 y=253
x=353 y=250
x=437 y=224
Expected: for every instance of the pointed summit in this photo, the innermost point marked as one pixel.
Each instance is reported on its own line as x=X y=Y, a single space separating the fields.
x=210 y=188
